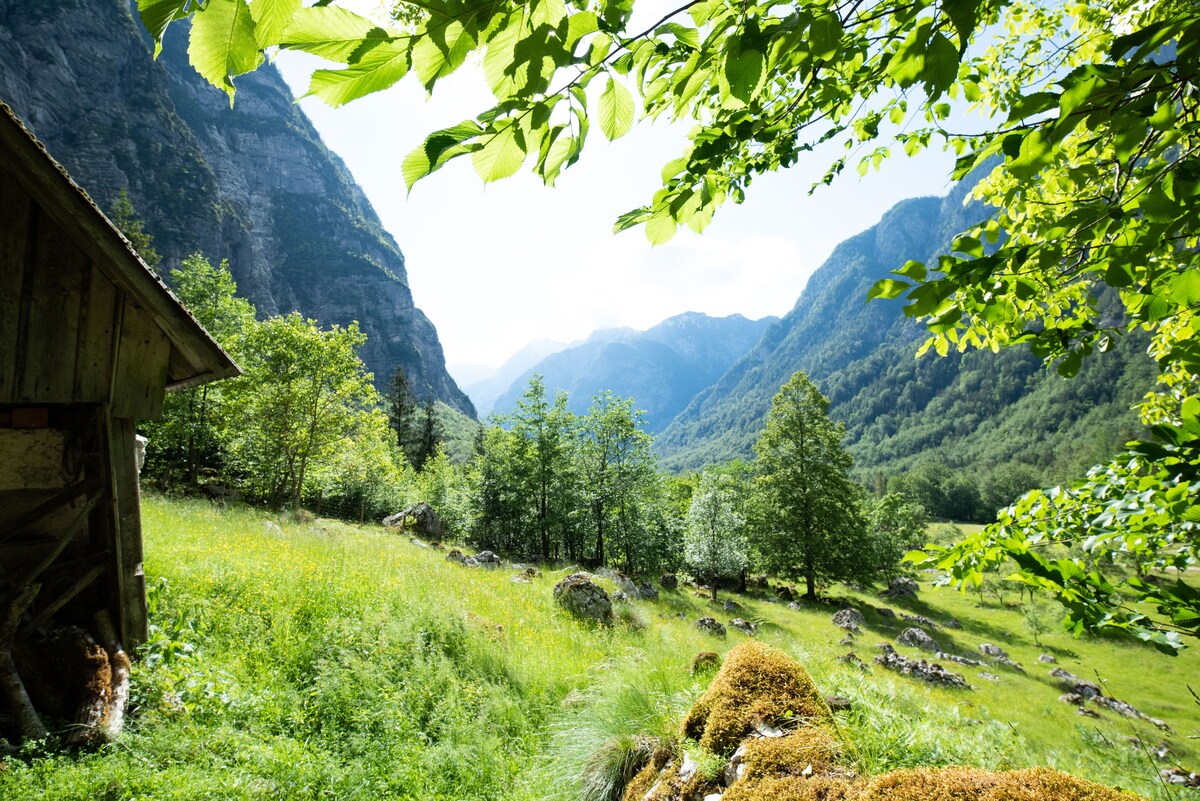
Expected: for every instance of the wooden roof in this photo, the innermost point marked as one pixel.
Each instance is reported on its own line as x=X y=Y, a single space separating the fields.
x=195 y=356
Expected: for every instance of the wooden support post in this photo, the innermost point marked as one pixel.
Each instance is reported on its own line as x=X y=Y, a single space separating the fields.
x=82 y=583
x=11 y=686
x=131 y=581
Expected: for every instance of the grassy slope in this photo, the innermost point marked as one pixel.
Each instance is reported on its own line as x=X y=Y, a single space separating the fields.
x=330 y=661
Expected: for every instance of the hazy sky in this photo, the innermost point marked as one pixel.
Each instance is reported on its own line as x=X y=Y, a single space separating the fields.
x=497 y=266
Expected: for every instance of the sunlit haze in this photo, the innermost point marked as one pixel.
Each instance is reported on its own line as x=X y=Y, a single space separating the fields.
x=497 y=266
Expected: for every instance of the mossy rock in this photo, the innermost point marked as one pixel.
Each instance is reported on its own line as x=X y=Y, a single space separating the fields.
x=811 y=750
x=972 y=784
x=756 y=682
x=705 y=661
x=932 y=784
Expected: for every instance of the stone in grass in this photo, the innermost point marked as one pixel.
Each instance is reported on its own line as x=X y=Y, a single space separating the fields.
x=1047 y=659
x=705 y=661
x=669 y=581
x=710 y=626
x=744 y=626
x=918 y=638
x=646 y=592
x=849 y=619
x=731 y=605
x=582 y=597
x=901 y=587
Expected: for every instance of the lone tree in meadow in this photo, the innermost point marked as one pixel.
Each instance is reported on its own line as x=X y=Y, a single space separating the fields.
x=713 y=543
x=814 y=527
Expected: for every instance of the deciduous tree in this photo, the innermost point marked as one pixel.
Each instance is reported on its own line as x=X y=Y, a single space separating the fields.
x=815 y=528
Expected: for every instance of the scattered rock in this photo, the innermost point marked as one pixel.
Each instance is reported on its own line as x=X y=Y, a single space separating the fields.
x=999 y=655
x=1180 y=777
x=705 y=660
x=765 y=728
x=959 y=660
x=619 y=597
x=531 y=573
x=852 y=660
x=994 y=651
x=418 y=543
x=710 y=626
x=921 y=620
x=1083 y=692
x=952 y=623
x=582 y=597
x=669 y=581
x=849 y=619
x=735 y=768
x=487 y=559
x=646 y=592
x=884 y=611
x=901 y=587
x=918 y=638
x=419 y=519
x=847 y=640
x=1047 y=659
x=983 y=674
x=1087 y=713
x=456 y=555
x=744 y=626
x=795 y=607
x=273 y=528
x=920 y=669
x=622 y=582
x=731 y=605
x=785 y=593
x=759 y=582
x=688 y=769
x=838 y=703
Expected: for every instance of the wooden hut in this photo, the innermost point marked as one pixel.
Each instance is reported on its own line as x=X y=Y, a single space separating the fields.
x=90 y=340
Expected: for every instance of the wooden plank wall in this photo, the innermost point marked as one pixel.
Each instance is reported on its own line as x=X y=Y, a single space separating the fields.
x=68 y=334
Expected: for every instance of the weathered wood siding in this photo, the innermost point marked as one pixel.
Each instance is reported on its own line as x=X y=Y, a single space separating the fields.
x=68 y=334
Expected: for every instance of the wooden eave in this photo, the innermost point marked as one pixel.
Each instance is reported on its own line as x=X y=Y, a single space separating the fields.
x=195 y=357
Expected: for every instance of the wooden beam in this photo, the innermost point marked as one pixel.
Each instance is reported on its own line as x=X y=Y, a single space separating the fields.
x=131 y=581
x=16 y=210
x=48 y=507
x=64 y=540
x=82 y=583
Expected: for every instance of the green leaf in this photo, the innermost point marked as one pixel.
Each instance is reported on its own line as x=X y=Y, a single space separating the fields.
x=376 y=71
x=969 y=245
x=498 y=67
x=223 y=44
x=441 y=51
x=158 y=14
x=964 y=16
x=825 y=36
x=580 y=25
x=501 y=155
x=616 y=110
x=333 y=33
x=888 y=288
x=684 y=34
x=660 y=228
x=912 y=269
x=743 y=72
x=941 y=65
x=271 y=19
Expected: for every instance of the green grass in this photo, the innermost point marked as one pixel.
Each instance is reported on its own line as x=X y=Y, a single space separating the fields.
x=329 y=661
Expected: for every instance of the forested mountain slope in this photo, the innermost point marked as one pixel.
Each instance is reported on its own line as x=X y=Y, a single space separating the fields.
x=661 y=368
x=253 y=184
x=978 y=410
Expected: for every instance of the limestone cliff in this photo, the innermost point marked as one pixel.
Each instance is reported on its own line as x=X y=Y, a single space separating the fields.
x=253 y=184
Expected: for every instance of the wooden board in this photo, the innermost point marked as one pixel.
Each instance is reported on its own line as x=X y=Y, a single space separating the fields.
x=132 y=581
x=140 y=377
x=16 y=212
x=98 y=325
x=52 y=303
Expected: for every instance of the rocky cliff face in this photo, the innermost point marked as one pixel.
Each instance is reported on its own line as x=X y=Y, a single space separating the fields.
x=253 y=184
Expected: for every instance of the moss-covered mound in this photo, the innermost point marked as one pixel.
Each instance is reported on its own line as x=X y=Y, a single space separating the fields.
x=931 y=784
x=808 y=752
x=972 y=784
x=756 y=682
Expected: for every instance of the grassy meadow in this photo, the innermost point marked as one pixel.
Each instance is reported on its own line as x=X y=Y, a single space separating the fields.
x=320 y=660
